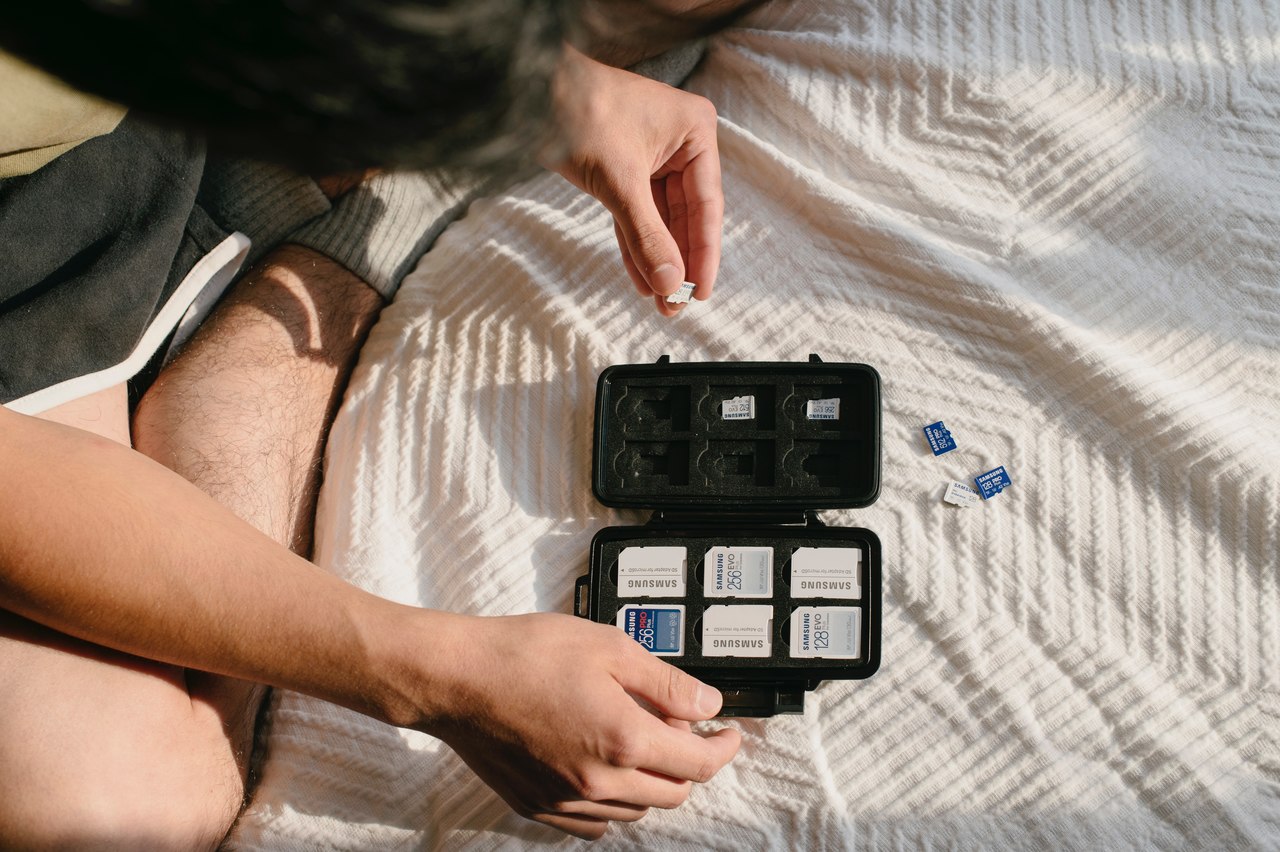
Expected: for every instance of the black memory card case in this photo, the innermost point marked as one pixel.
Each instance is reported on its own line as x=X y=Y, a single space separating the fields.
x=741 y=456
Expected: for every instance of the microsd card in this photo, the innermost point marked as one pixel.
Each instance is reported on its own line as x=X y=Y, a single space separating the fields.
x=738 y=572
x=682 y=296
x=940 y=440
x=959 y=494
x=738 y=408
x=652 y=572
x=993 y=482
x=822 y=409
x=658 y=629
x=826 y=631
x=826 y=572
x=737 y=631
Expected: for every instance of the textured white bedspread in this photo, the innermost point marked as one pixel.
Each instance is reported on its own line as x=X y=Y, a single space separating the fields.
x=1055 y=226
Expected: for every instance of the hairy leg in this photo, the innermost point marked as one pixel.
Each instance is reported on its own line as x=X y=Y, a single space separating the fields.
x=244 y=411
x=100 y=749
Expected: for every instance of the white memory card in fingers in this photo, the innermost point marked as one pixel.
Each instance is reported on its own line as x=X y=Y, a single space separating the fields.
x=737 y=631
x=683 y=295
x=652 y=572
x=738 y=572
x=826 y=572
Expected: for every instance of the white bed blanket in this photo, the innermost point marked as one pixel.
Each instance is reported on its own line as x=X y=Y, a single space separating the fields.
x=1055 y=226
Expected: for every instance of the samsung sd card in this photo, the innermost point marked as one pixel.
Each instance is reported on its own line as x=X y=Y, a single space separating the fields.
x=737 y=631
x=658 y=629
x=652 y=572
x=826 y=572
x=738 y=572
x=833 y=632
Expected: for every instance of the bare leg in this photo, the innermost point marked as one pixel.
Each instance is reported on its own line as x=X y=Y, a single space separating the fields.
x=87 y=734
x=104 y=413
x=100 y=749
x=244 y=411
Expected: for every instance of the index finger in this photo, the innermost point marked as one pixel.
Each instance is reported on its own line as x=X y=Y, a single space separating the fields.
x=684 y=755
x=704 y=207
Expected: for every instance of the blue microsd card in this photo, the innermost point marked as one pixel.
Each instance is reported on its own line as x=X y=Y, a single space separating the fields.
x=993 y=482
x=659 y=629
x=940 y=440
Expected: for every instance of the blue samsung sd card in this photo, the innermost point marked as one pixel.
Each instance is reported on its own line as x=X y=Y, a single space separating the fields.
x=940 y=440
x=993 y=482
x=659 y=629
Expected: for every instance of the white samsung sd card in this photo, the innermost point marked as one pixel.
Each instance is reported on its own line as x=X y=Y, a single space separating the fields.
x=658 y=628
x=822 y=409
x=959 y=494
x=737 y=631
x=833 y=632
x=652 y=572
x=826 y=572
x=738 y=408
x=738 y=572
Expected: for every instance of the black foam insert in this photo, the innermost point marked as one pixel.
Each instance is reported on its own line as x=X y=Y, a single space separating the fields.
x=661 y=439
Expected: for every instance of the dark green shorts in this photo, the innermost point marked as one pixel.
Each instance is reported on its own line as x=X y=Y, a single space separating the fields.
x=93 y=247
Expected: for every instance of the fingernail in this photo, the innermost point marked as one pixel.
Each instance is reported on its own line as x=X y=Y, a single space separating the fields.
x=666 y=280
x=709 y=700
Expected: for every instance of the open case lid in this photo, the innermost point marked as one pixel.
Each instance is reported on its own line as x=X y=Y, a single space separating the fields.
x=738 y=436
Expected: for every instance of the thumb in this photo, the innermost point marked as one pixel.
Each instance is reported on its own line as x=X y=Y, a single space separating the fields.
x=668 y=690
x=648 y=240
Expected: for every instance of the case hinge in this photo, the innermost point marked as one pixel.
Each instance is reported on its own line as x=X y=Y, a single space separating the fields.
x=743 y=518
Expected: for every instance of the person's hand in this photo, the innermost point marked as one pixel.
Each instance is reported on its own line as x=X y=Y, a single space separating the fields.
x=550 y=711
x=648 y=152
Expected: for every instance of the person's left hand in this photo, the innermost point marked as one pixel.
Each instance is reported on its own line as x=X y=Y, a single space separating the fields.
x=648 y=152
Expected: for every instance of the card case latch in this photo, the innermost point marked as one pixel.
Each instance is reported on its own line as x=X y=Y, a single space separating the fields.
x=762 y=699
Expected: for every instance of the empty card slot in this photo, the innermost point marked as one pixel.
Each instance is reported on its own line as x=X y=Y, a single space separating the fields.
x=741 y=462
x=647 y=461
x=829 y=464
x=659 y=407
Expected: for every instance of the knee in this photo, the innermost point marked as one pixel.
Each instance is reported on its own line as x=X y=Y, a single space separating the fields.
x=100 y=750
x=80 y=780
x=98 y=812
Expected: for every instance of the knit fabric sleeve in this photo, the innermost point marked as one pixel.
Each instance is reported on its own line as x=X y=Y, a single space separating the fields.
x=265 y=202
x=381 y=228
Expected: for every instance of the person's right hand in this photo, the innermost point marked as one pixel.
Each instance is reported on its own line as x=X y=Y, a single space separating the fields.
x=648 y=152
x=550 y=711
